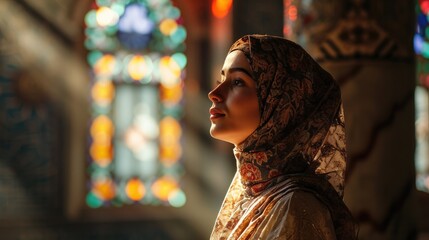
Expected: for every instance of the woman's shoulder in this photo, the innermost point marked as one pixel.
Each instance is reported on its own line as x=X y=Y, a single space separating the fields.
x=305 y=203
x=302 y=202
x=308 y=192
x=300 y=214
x=311 y=207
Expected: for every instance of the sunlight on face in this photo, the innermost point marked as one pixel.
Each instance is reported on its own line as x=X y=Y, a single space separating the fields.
x=234 y=113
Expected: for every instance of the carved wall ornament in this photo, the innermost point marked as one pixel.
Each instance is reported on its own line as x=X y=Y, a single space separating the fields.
x=358 y=36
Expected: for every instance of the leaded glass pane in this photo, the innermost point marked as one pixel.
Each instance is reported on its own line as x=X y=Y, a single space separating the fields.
x=135 y=50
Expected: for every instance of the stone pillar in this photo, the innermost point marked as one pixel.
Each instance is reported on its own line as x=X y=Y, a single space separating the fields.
x=367 y=46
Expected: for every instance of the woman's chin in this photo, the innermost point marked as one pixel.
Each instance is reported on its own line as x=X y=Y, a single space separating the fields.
x=216 y=134
x=222 y=138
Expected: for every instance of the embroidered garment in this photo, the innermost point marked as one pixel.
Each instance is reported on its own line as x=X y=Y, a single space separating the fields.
x=290 y=171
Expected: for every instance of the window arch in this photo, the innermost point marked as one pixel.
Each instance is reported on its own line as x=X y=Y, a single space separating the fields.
x=136 y=54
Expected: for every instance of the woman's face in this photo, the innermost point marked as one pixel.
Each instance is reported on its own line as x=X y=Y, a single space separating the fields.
x=235 y=110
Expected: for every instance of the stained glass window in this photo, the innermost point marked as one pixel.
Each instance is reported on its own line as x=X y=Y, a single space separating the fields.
x=421 y=48
x=136 y=53
x=290 y=16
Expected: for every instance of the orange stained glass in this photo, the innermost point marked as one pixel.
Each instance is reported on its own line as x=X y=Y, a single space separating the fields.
x=135 y=189
x=102 y=154
x=171 y=94
x=170 y=154
x=102 y=128
x=170 y=71
x=164 y=187
x=292 y=13
x=286 y=30
x=104 y=188
x=168 y=26
x=105 y=65
x=170 y=130
x=103 y=92
x=220 y=8
x=138 y=67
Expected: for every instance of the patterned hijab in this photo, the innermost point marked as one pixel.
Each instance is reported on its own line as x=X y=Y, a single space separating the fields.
x=300 y=141
x=302 y=125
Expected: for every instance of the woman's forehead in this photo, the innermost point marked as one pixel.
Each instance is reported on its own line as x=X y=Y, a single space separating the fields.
x=236 y=59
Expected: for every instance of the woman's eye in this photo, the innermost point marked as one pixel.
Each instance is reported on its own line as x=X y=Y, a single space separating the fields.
x=237 y=82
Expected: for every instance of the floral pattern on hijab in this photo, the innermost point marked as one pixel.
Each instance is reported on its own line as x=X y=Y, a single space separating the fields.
x=302 y=124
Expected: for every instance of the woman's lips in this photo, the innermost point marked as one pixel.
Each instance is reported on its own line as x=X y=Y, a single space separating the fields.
x=216 y=113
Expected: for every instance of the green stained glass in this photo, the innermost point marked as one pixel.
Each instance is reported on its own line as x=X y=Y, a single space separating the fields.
x=118 y=8
x=101 y=110
x=425 y=50
x=98 y=172
x=93 y=201
x=104 y=3
x=175 y=170
x=177 y=199
x=124 y=2
x=174 y=111
x=91 y=19
x=111 y=30
x=89 y=44
x=157 y=2
x=180 y=58
x=179 y=35
x=90 y=31
x=154 y=16
x=109 y=45
x=93 y=56
x=174 y=13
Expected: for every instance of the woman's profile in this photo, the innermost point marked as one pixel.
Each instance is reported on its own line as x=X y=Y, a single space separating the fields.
x=283 y=113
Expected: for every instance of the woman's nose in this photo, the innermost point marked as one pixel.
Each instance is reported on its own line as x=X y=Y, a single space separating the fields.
x=214 y=95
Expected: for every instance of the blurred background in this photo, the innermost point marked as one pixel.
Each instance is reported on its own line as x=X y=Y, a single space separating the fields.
x=104 y=111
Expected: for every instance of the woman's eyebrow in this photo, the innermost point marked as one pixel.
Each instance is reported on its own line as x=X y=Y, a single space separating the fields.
x=236 y=69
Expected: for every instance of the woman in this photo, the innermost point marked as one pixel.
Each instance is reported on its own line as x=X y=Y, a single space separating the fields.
x=283 y=113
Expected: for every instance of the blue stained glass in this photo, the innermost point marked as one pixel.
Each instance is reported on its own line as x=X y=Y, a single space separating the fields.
x=422 y=21
x=135 y=27
x=418 y=43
